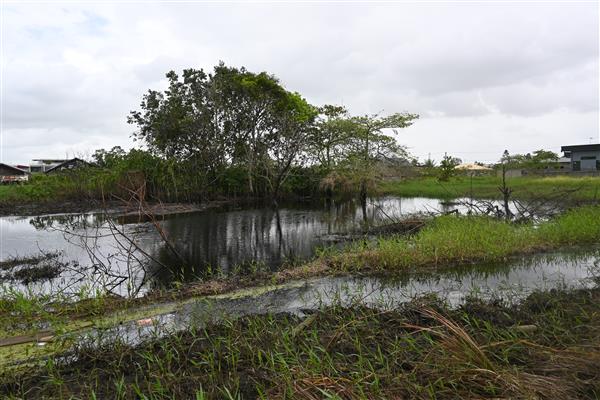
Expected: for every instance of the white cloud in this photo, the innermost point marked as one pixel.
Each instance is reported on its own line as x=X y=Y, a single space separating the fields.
x=484 y=77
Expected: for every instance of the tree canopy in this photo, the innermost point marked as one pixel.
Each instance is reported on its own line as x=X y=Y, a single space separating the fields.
x=232 y=118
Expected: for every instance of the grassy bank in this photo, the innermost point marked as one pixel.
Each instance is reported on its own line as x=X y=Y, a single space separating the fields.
x=548 y=347
x=578 y=189
x=451 y=240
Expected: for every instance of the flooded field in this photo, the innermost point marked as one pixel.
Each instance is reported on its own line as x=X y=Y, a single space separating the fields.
x=98 y=253
x=510 y=281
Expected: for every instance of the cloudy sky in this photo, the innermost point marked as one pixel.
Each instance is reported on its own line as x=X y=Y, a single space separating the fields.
x=484 y=76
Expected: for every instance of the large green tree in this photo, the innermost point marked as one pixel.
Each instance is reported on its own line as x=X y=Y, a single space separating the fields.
x=372 y=144
x=231 y=117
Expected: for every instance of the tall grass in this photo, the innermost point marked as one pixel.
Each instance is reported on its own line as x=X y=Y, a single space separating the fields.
x=451 y=240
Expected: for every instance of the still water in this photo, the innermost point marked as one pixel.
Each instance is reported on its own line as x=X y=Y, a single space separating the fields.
x=123 y=254
x=216 y=238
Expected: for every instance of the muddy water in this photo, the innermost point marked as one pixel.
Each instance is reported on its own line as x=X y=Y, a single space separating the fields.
x=510 y=281
x=216 y=239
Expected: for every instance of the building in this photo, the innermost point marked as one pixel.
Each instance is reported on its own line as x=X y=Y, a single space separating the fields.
x=584 y=157
x=43 y=165
x=67 y=165
x=564 y=163
x=10 y=174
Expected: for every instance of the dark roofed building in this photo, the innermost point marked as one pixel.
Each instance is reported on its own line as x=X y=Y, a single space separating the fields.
x=44 y=164
x=584 y=157
x=10 y=174
x=68 y=165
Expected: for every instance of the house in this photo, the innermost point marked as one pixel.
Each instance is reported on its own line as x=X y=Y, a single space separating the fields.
x=584 y=157
x=10 y=174
x=67 y=165
x=43 y=165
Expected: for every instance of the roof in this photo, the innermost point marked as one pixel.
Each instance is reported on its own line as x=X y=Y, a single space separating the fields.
x=581 y=147
x=472 y=167
x=13 y=168
x=66 y=162
x=51 y=160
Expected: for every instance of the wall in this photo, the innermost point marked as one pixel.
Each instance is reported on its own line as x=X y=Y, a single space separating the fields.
x=586 y=165
x=9 y=171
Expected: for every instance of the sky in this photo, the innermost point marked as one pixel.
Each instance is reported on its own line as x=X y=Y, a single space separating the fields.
x=483 y=76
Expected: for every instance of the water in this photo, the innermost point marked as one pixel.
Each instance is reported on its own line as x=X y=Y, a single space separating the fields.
x=129 y=258
x=217 y=238
x=510 y=281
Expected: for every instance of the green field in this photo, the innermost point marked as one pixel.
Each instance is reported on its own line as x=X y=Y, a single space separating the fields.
x=580 y=188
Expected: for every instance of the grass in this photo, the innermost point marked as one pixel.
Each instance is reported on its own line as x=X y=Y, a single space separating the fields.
x=451 y=240
x=547 y=347
x=579 y=188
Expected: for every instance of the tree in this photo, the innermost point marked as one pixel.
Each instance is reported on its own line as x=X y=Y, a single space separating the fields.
x=448 y=167
x=543 y=159
x=331 y=137
x=231 y=117
x=108 y=158
x=183 y=125
x=506 y=162
x=372 y=144
x=291 y=127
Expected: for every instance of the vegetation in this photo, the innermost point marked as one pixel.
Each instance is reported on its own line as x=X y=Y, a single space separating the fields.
x=487 y=187
x=447 y=168
x=451 y=240
x=545 y=348
x=237 y=120
x=231 y=133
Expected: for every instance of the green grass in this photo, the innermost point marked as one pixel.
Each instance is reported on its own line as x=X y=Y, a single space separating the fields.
x=43 y=188
x=580 y=189
x=451 y=240
x=547 y=347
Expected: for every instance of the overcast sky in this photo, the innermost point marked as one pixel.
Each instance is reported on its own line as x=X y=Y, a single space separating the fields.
x=484 y=76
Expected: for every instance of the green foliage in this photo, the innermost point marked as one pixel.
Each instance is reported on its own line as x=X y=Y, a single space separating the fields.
x=232 y=132
x=236 y=118
x=540 y=159
x=448 y=168
x=230 y=118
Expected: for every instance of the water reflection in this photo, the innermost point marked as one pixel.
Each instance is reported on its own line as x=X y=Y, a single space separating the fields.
x=270 y=237
x=215 y=239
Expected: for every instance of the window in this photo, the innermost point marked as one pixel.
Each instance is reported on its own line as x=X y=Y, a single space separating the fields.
x=588 y=157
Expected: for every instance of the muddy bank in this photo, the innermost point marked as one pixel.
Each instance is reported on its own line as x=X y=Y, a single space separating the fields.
x=113 y=208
